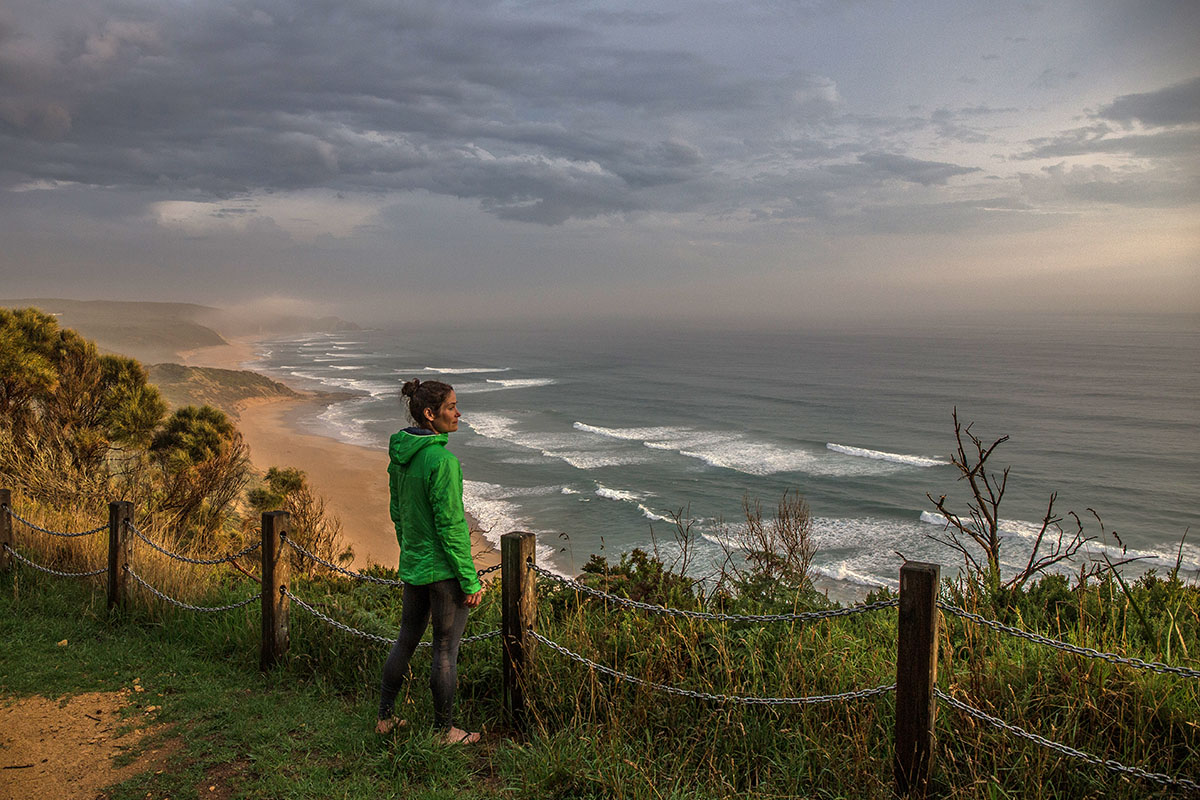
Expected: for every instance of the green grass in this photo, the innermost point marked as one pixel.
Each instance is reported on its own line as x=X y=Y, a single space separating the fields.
x=304 y=729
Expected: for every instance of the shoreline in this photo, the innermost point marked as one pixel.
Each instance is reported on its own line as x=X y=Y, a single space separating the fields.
x=350 y=478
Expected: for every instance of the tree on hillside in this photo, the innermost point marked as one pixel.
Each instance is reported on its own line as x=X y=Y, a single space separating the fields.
x=67 y=409
x=27 y=369
x=313 y=528
x=203 y=467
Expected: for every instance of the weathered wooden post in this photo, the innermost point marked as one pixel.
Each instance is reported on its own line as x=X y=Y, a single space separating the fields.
x=916 y=676
x=519 y=612
x=6 y=530
x=120 y=552
x=276 y=575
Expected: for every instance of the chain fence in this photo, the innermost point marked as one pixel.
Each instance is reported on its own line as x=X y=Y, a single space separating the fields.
x=1070 y=648
x=809 y=616
x=1109 y=764
x=716 y=698
x=189 y=606
x=47 y=570
x=359 y=576
x=802 y=616
x=37 y=527
x=374 y=637
x=178 y=557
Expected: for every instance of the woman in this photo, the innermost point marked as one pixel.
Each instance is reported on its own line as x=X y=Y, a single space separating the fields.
x=435 y=553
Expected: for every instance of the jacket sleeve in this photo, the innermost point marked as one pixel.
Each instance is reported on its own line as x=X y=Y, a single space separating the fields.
x=393 y=495
x=450 y=522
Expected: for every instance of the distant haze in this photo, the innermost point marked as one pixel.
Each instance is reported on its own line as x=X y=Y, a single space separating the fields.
x=762 y=161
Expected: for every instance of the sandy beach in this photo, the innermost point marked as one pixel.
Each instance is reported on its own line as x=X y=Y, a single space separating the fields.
x=352 y=479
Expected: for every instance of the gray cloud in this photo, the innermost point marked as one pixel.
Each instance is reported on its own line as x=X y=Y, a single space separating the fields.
x=1054 y=78
x=882 y=166
x=538 y=121
x=1174 y=105
x=538 y=112
x=538 y=117
x=1101 y=139
x=1064 y=186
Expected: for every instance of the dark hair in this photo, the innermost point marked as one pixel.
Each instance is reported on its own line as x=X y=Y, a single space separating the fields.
x=422 y=395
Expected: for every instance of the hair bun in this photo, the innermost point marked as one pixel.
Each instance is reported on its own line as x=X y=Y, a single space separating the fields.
x=410 y=388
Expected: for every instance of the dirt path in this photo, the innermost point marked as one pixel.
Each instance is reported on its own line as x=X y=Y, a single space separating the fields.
x=65 y=748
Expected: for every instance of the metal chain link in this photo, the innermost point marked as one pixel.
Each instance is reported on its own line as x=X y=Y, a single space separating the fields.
x=804 y=616
x=339 y=625
x=178 y=557
x=37 y=527
x=1109 y=764
x=188 y=606
x=358 y=575
x=1070 y=648
x=351 y=573
x=717 y=698
x=25 y=560
x=372 y=636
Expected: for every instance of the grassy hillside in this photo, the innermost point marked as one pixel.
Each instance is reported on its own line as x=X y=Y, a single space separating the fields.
x=220 y=388
x=304 y=729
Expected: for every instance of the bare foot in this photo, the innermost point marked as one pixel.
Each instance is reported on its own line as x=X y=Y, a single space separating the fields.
x=459 y=736
x=386 y=726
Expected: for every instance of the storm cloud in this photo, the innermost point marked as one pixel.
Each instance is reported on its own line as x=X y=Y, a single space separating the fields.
x=261 y=135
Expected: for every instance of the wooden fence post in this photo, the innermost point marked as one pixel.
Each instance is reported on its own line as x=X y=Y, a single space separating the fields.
x=519 y=612
x=276 y=574
x=916 y=676
x=120 y=552
x=6 y=530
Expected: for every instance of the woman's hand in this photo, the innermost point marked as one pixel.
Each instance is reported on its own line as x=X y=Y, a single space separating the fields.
x=474 y=600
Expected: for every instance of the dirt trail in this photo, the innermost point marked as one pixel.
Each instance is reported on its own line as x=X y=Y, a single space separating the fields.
x=65 y=748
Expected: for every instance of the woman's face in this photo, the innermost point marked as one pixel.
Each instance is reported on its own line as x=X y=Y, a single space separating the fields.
x=446 y=418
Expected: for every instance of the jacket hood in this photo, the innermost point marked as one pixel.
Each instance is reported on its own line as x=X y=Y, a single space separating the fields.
x=407 y=443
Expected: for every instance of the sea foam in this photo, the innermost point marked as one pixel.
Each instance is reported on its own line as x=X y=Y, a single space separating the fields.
x=463 y=370
x=341 y=420
x=899 y=458
x=561 y=446
x=492 y=426
x=498 y=514
x=521 y=383
x=618 y=494
x=735 y=451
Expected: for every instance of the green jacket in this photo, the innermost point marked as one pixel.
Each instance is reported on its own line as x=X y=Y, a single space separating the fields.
x=426 y=505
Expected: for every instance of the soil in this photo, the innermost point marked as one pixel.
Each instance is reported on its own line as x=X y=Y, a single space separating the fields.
x=65 y=748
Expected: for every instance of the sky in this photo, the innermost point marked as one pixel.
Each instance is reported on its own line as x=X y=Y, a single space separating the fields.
x=757 y=161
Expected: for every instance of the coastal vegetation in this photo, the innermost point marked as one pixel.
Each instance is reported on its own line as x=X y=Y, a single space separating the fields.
x=80 y=428
x=220 y=388
x=304 y=728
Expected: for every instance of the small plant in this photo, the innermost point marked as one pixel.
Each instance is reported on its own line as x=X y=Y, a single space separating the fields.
x=768 y=560
x=780 y=548
x=976 y=536
x=313 y=527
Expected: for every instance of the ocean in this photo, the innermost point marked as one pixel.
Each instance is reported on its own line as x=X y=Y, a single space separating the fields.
x=594 y=436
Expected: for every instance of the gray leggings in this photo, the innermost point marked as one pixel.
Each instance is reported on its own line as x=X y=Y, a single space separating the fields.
x=446 y=603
